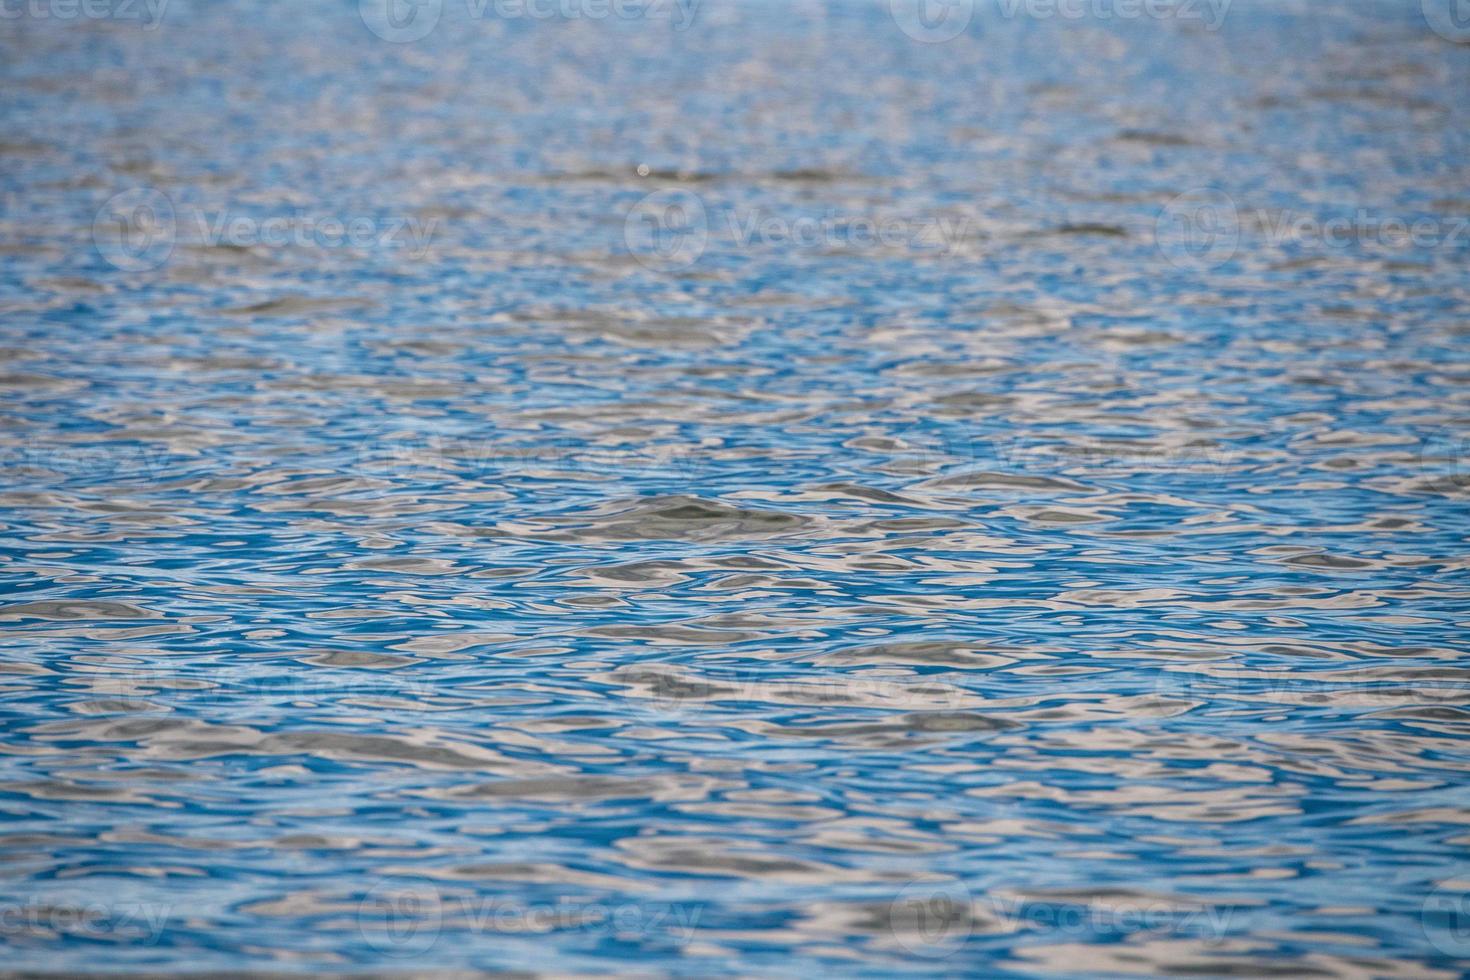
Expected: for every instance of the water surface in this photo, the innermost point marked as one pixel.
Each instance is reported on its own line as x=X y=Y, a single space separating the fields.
x=914 y=539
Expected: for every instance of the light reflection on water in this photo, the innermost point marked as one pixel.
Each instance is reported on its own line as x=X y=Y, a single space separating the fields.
x=765 y=496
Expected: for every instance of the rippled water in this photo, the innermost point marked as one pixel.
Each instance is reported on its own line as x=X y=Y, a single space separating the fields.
x=761 y=494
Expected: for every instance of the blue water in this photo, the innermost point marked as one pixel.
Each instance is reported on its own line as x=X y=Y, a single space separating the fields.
x=760 y=495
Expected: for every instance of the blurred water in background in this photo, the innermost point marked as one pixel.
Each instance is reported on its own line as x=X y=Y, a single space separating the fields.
x=712 y=488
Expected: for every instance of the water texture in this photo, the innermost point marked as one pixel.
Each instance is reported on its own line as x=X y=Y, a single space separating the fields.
x=761 y=489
